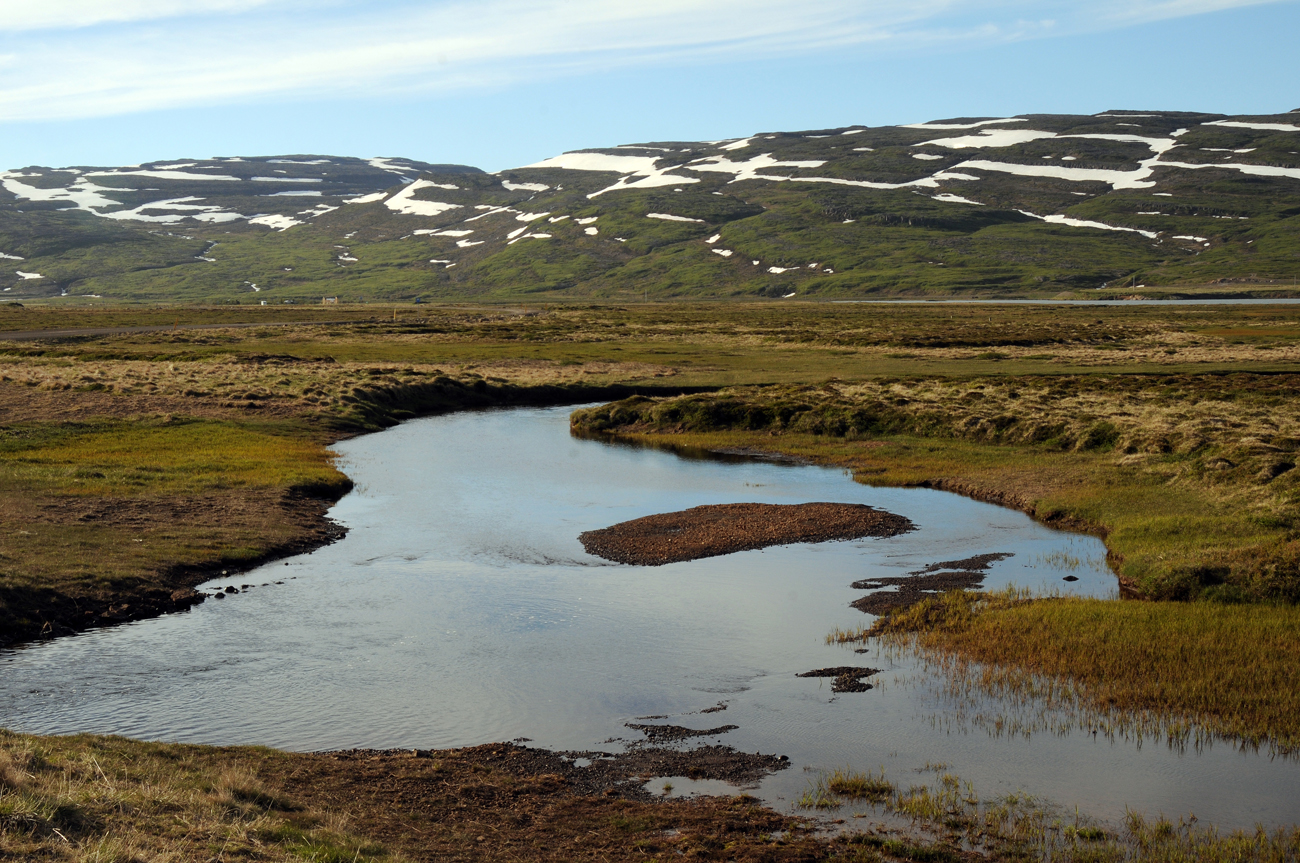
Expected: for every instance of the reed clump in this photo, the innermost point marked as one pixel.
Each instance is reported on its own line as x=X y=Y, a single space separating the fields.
x=1183 y=672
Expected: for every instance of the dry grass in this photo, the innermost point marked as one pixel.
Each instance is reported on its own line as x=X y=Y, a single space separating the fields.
x=106 y=800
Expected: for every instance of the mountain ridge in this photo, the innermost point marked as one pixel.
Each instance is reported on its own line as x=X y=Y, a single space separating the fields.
x=1033 y=205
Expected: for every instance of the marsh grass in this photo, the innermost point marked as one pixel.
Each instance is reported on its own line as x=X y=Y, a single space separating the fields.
x=949 y=820
x=1182 y=674
x=109 y=800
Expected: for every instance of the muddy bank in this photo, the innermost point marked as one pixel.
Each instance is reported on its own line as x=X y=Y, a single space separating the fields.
x=508 y=802
x=709 y=531
x=29 y=613
x=845 y=678
x=935 y=579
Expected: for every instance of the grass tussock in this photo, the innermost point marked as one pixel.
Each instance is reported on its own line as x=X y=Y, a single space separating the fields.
x=1180 y=672
x=90 y=799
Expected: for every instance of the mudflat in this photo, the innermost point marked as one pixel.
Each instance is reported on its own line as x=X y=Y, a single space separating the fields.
x=709 y=531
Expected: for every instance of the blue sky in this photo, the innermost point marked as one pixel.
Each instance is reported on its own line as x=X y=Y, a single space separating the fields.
x=501 y=83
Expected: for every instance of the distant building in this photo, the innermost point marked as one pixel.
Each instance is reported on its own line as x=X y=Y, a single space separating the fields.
x=329 y=301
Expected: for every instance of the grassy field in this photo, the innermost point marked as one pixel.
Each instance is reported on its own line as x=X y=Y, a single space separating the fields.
x=135 y=465
x=1169 y=429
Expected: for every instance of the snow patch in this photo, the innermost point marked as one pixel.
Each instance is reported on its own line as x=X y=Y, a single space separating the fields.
x=737 y=145
x=1262 y=127
x=279 y=223
x=296 y=161
x=26 y=276
x=287 y=180
x=710 y=240
x=525 y=187
x=992 y=138
x=975 y=125
x=748 y=170
x=586 y=221
x=296 y=193
x=530 y=217
x=1083 y=223
x=529 y=237
x=670 y=218
x=367 y=199
x=591 y=232
x=1192 y=238
x=167 y=175
x=404 y=201
x=386 y=164
x=955 y=199
x=465 y=244
x=779 y=270
x=726 y=253
x=11 y=257
x=640 y=167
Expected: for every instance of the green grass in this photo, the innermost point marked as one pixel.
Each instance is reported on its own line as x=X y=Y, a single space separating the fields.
x=163 y=457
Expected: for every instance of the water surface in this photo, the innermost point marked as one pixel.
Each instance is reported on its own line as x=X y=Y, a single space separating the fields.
x=461 y=609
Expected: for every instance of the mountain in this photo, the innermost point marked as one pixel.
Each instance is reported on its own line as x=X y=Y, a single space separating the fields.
x=1036 y=205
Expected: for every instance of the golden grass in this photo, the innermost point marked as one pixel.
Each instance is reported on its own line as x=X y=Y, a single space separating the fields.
x=87 y=799
x=1182 y=672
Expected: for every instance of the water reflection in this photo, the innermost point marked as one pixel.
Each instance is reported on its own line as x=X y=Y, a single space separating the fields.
x=461 y=609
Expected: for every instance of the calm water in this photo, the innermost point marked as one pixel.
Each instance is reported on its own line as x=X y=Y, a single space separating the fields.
x=461 y=609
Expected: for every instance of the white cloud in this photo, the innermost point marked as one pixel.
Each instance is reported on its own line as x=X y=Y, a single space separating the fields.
x=80 y=58
x=18 y=15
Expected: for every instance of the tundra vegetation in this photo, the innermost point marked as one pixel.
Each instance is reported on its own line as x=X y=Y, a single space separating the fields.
x=134 y=464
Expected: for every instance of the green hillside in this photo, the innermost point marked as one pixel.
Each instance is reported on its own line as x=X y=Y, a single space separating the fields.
x=1040 y=205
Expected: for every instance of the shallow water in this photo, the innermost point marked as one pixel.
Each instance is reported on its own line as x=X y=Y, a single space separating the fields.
x=461 y=609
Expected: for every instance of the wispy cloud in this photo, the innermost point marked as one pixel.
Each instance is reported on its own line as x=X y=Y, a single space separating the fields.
x=80 y=58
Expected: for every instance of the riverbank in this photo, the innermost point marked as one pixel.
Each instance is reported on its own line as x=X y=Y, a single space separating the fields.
x=1190 y=480
x=86 y=798
x=123 y=487
x=111 y=800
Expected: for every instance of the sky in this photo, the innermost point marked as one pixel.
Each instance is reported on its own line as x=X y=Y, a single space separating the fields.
x=503 y=83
